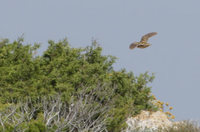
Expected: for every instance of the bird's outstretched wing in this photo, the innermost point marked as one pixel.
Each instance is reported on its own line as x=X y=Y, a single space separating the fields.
x=133 y=45
x=147 y=36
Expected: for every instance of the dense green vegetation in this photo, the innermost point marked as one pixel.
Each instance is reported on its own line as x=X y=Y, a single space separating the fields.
x=66 y=77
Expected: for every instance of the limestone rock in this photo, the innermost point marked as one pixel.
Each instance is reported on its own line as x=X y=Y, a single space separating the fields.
x=148 y=120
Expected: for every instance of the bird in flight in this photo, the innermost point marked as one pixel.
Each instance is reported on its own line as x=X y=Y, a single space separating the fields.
x=143 y=42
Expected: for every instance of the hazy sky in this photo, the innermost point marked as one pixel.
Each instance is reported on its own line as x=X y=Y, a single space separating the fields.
x=174 y=56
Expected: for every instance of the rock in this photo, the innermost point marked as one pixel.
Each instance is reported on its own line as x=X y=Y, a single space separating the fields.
x=147 y=120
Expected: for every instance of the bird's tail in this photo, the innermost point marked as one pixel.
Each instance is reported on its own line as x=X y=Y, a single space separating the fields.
x=133 y=45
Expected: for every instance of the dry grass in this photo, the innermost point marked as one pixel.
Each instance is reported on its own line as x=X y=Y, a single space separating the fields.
x=185 y=126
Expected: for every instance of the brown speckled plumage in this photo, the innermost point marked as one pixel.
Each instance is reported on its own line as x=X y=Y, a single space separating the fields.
x=143 y=42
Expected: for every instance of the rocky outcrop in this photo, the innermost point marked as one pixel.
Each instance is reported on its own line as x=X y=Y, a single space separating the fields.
x=147 y=120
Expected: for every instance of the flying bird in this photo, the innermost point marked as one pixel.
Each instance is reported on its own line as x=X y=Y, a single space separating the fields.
x=143 y=42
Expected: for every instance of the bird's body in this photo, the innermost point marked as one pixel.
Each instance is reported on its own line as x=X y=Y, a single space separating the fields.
x=143 y=42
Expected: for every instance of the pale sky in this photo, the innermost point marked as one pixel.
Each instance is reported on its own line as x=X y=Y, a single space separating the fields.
x=174 y=56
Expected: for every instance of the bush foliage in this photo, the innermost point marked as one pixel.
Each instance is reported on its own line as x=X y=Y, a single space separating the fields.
x=66 y=72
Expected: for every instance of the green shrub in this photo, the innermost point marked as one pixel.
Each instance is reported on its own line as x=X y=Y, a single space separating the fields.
x=65 y=71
